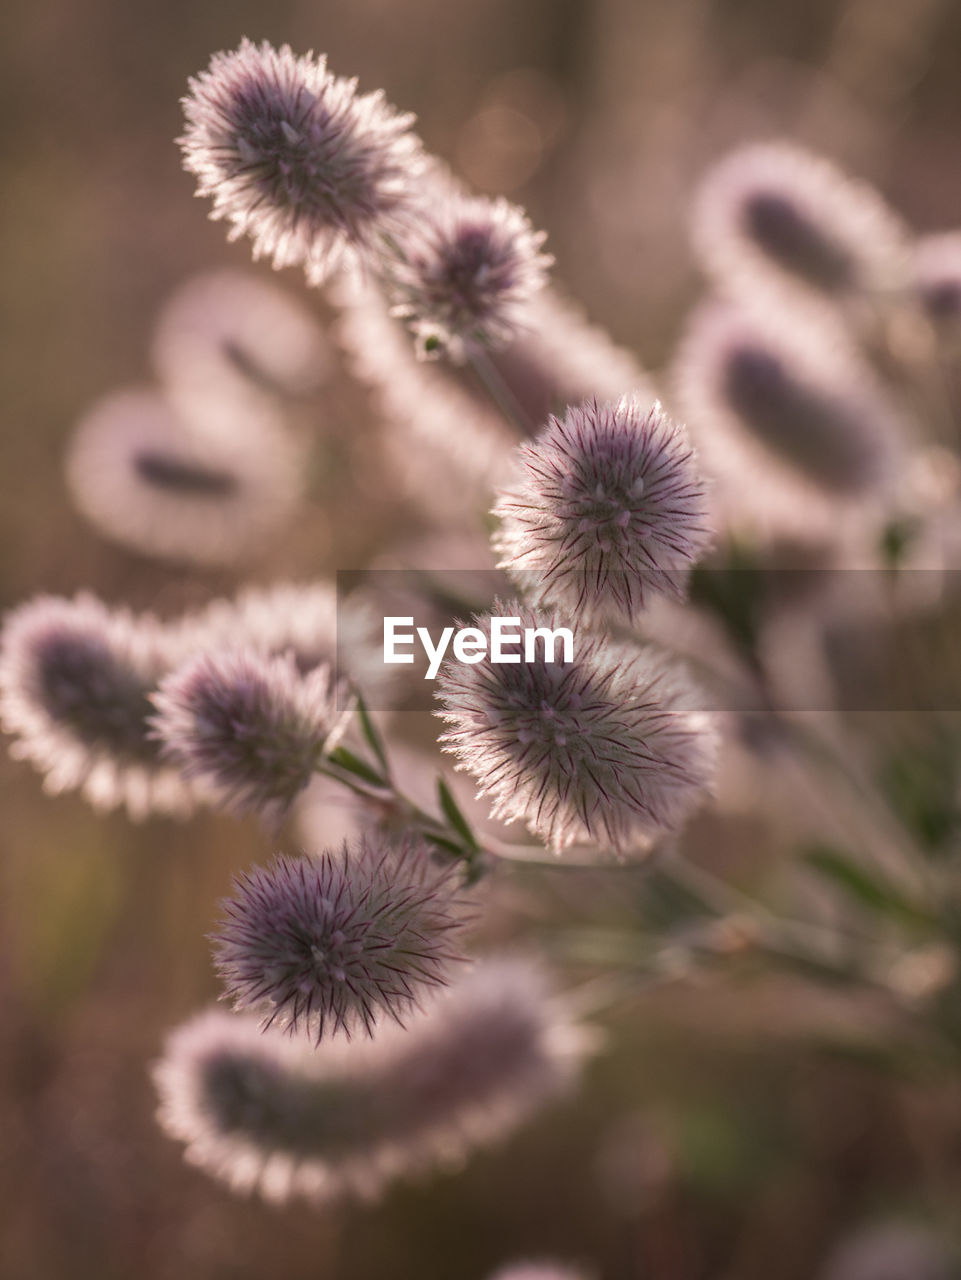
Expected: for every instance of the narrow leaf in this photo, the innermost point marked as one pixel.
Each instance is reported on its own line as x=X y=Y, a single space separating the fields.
x=864 y=885
x=454 y=816
x=353 y=764
x=371 y=736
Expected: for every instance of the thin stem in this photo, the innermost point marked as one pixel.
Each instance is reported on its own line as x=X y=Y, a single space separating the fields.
x=504 y=399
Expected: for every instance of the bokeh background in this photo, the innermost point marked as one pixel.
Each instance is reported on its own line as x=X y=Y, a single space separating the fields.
x=725 y=1133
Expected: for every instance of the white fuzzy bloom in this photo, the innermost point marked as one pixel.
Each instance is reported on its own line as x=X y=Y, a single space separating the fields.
x=229 y=334
x=789 y=420
x=609 y=508
x=208 y=493
x=271 y=1114
x=463 y=274
x=75 y=685
x=771 y=218
x=610 y=748
x=295 y=158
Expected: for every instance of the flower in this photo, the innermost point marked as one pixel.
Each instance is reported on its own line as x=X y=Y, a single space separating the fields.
x=332 y=944
x=463 y=273
x=790 y=420
x=891 y=1250
x=230 y=333
x=556 y=358
x=609 y=747
x=205 y=492
x=75 y=685
x=294 y=158
x=609 y=506
x=250 y=727
x=771 y=215
x=937 y=269
x=270 y=1113
x=306 y=620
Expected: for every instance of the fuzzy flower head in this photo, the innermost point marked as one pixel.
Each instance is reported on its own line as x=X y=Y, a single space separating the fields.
x=207 y=492
x=294 y=158
x=334 y=944
x=273 y=1114
x=75 y=685
x=774 y=216
x=305 y=620
x=229 y=333
x=790 y=421
x=609 y=507
x=465 y=272
x=609 y=748
x=937 y=271
x=249 y=727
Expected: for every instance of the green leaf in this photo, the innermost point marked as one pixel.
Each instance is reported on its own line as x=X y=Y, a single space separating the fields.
x=442 y=842
x=371 y=736
x=454 y=816
x=864 y=885
x=353 y=764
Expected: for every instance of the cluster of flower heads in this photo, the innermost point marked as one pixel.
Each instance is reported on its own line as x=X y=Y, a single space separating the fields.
x=818 y=371
x=244 y=702
x=274 y=1114
x=155 y=716
x=203 y=467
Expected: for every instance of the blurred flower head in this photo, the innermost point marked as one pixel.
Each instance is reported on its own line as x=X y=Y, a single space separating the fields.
x=609 y=507
x=463 y=273
x=229 y=333
x=609 y=748
x=272 y=1113
x=790 y=420
x=249 y=727
x=75 y=685
x=891 y=1251
x=335 y=944
x=206 y=494
x=773 y=215
x=294 y=158
x=305 y=620
x=937 y=268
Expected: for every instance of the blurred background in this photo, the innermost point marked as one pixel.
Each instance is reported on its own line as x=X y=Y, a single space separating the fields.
x=727 y=1132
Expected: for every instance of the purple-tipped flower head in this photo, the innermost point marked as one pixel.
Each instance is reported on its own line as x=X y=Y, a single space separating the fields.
x=609 y=508
x=228 y=332
x=207 y=492
x=790 y=420
x=294 y=158
x=336 y=943
x=270 y=1113
x=305 y=620
x=75 y=685
x=608 y=748
x=464 y=273
x=775 y=216
x=937 y=268
x=249 y=727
